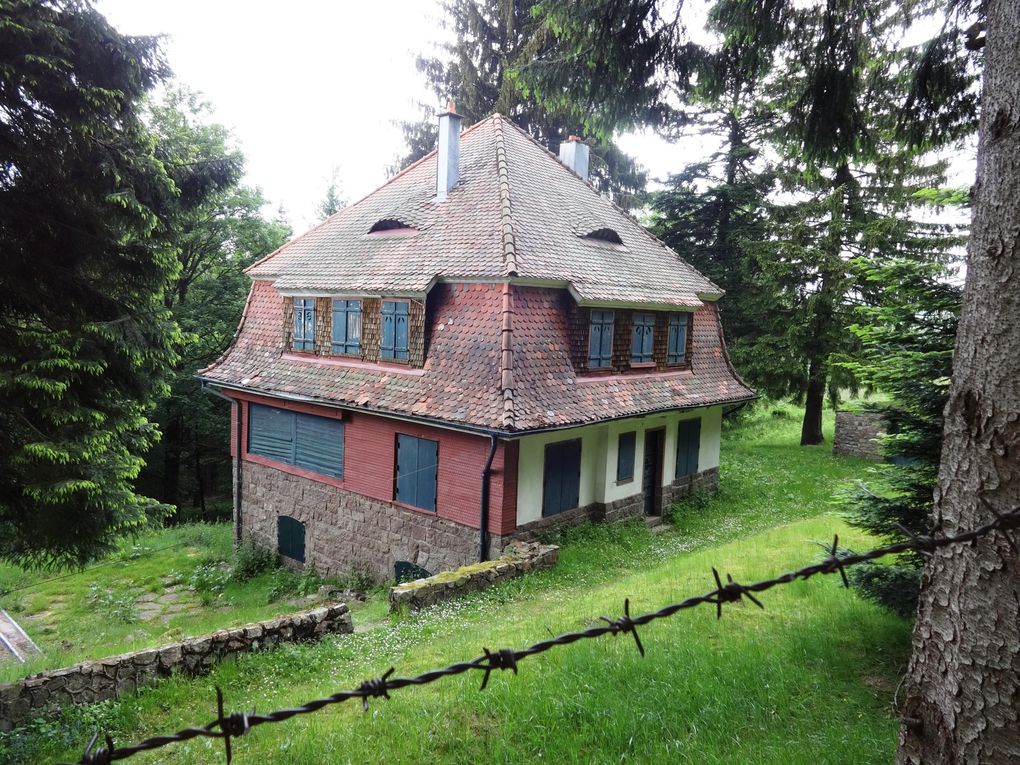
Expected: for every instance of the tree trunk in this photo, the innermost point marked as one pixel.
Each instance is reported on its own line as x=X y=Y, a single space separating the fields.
x=963 y=692
x=811 y=429
x=172 y=445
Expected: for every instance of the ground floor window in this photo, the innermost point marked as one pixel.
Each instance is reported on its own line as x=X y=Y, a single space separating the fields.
x=290 y=538
x=417 y=465
x=625 y=457
x=303 y=440
x=562 y=477
x=688 y=445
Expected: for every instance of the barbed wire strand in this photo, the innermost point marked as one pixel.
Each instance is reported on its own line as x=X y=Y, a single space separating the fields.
x=236 y=724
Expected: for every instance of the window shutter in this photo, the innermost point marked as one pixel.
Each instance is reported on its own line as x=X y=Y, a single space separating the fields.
x=417 y=462
x=688 y=446
x=290 y=538
x=625 y=456
x=428 y=452
x=271 y=432
x=562 y=481
x=677 y=350
x=319 y=444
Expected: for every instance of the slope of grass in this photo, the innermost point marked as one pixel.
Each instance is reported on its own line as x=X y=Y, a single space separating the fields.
x=809 y=680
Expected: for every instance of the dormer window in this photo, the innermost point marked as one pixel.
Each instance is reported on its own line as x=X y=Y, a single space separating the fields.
x=642 y=337
x=676 y=348
x=304 y=324
x=347 y=327
x=600 y=340
x=604 y=235
x=389 y=224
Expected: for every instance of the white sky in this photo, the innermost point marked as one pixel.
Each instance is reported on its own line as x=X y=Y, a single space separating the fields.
x=309 y=85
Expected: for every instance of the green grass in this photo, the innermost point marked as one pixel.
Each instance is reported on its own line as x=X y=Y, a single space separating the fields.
x=809 y=680
x=98 y=611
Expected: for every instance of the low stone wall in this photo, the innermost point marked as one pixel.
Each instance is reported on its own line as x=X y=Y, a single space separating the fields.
x=109 y=678
x=857 y=434
x=520 y=558
x=681 y=488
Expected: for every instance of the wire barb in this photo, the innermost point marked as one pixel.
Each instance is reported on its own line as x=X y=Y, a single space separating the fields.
x=377 y=687
x=625 y=624
x=731 y=592
x=233 y=725
x=504 y=658
x=100 y=756
x=835 y=564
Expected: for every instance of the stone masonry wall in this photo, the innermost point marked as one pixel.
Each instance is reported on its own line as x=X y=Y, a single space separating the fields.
x=111 y=677
x=520 y=558
x=681 y=488
x=856 y=434
x=345 y=531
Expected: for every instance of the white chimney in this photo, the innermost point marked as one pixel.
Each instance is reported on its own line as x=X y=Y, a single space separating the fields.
x=574 y=154
x=448 y=152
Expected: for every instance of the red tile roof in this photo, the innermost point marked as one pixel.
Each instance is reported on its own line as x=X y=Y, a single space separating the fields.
x=498 y=355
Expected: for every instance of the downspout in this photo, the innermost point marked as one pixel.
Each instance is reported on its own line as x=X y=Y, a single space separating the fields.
x=483 y=526
x=236 y=404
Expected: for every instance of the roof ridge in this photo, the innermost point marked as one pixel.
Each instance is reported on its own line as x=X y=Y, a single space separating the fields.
x=506 y=220
x=361 y=199
x=506 y=357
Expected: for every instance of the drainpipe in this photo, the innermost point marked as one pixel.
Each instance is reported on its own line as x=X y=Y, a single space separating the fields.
x=483 y=528
x=236 y=404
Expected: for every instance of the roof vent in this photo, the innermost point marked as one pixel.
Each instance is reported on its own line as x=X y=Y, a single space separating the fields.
x=604 y=235
x=389 y=224
x=574 y=154
x=448 y=151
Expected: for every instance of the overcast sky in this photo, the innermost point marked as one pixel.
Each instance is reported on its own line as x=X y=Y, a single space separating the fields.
x=310 y=85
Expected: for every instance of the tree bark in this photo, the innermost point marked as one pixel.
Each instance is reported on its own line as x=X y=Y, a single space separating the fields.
x=814 y=401
x=963 y=691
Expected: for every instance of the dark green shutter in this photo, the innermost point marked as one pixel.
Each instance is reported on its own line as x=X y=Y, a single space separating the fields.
x=290 y=538
x=394 y=343
x=688 y=446
x=562 y=477
x=625 y=456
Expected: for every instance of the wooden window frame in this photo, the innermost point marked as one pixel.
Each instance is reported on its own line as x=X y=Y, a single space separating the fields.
x=622 y=476
x=304 y=320
x=345 y=347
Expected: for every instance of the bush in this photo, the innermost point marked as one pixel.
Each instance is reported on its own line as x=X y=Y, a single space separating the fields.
x=208 y=580
x=251 y=559
x=119 y=606
x=894 y=586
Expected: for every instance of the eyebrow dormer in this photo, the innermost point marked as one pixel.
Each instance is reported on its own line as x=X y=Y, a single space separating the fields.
x=604 y=235
x=390 y=225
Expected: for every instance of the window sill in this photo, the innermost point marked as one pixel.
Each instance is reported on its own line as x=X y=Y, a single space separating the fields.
x=643 y=365
x=353 y=362
x=283 y=467
x=651 y=374
x=422 y=510
x=624 y=481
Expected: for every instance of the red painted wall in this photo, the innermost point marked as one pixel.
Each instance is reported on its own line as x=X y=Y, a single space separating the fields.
x=369 y=454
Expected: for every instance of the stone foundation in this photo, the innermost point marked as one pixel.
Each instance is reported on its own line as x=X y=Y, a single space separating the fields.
x=114 y=676
x=857 y=434
x=520 y=558
x=347 y=532
x=681 y=488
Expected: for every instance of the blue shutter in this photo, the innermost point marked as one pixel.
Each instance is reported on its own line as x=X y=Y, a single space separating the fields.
x=271 y=432
x=562 y=477
x=400 y=346
x=625 y=456
x=600 y=340
x=677 y=349
x=688 y=446
x=407 y=465
x=394 y=344
x=428 y=453
x=642 y=337
x=319 y=444
x=347 y=326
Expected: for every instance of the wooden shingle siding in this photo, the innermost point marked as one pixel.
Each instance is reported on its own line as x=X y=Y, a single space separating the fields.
x=370 y=328
x=578 y=324
x=288 y=323
x=659 y=349
x=416 y=329
x=323 y=326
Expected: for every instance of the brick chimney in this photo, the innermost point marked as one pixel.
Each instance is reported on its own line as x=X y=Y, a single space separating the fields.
x=448 y=152
x=574 y=154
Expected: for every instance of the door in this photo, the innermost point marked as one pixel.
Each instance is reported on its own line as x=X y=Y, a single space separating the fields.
x=651 y=474
x=562 y=477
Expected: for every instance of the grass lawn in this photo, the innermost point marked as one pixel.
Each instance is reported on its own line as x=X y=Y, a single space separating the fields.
x=808 y=680
x=157 y=589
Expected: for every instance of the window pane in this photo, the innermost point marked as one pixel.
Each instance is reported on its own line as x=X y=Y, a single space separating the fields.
x=304 y=324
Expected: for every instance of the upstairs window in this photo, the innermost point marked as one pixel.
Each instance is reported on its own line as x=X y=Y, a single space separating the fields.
x=394 y=330
x=389 y=224
x=302 y=440
x=676 y=349
x=347 y=327
x=600 y=341
x=641 y=338
x=304 y=324
x=604 y=235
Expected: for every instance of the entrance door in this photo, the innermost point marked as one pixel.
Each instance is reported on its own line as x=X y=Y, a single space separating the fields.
x=651 y=474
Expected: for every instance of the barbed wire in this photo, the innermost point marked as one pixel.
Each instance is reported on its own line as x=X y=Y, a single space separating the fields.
x=230 y=726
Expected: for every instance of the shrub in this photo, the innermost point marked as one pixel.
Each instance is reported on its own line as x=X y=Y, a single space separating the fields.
x=208 y=580
x=119 y=606
x=251 y=559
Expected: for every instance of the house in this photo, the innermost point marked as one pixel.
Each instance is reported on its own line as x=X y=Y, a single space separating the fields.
x=481 y=348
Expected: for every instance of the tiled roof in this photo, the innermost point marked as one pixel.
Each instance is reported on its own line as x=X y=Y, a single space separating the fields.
x=498 y=354
x=516 y=211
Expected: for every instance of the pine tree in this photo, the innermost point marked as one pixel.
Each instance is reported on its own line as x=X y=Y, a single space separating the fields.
x=477 y=70
x=84 y=335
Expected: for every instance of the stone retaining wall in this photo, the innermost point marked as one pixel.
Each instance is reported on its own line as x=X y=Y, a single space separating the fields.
x=857 y=434
x=681 y=488
x=111 y=677
x=520 y=558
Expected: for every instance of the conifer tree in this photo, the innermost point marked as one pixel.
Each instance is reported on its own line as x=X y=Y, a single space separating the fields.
x=84 y=334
